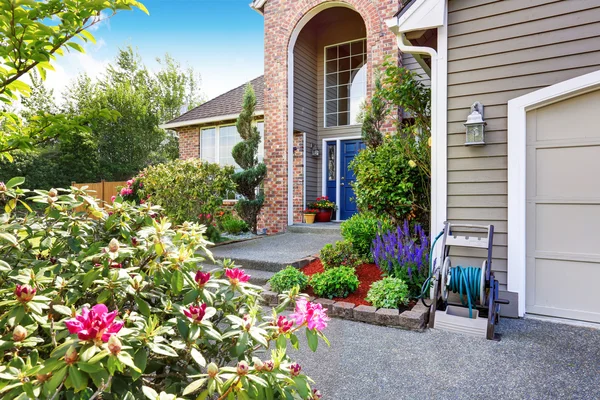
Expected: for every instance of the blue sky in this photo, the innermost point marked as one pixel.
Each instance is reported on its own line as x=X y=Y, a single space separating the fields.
x=221 y=39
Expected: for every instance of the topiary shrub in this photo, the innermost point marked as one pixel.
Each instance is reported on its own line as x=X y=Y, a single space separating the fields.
x=340 y=254
x=361 y=229
x=388 y=293
x=288 y=278
x=335 y=282
x=113 y=303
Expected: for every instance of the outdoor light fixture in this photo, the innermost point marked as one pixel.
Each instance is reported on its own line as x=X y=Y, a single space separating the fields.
x=475 y=125
x=314 y=150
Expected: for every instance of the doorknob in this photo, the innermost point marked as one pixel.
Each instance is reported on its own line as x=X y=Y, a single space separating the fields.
x=342 y=184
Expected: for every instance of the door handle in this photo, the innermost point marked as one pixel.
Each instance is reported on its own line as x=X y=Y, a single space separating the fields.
x=342 y=184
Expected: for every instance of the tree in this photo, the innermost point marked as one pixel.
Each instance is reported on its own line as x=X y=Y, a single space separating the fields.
x=245 y=154
x=32 y=33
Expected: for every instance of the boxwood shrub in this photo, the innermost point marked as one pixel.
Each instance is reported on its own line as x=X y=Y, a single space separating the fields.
x=335 y=282
x=287 y=278
x=340 y=254
x=388 y=293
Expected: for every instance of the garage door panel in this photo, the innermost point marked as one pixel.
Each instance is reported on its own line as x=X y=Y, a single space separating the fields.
x=568 y=172
x=568 y=286
x=567 y=228
x=552 y=123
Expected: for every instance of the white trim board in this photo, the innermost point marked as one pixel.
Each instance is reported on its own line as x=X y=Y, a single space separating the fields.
x=290 y=85
x=338 y=171
x=517 y=195
x=216 y=118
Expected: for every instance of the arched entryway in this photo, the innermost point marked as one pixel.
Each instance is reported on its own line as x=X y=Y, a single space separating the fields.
x=328 y=80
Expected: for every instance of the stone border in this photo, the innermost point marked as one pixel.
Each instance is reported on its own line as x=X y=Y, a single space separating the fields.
x=414 y=319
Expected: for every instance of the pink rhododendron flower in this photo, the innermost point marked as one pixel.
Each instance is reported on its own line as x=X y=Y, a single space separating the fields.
x=195 y=313
x=295 y=369
x=284 y=324
x=25 y=293
x=312 y=314
x=130 y=182
x=316 y=394
x=95 y=324
x=202 y=278
x=236 y=276
x=113 y=198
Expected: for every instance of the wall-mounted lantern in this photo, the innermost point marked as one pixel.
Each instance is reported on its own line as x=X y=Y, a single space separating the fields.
x=475 y=126
x=314 y=151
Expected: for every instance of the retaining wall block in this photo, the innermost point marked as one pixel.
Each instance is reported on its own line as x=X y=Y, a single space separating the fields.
x=342 y=309
x=412 y=320
x=388 y=317
x=366 y=314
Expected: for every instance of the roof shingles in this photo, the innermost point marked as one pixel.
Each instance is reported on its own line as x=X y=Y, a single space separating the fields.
x=226 y=104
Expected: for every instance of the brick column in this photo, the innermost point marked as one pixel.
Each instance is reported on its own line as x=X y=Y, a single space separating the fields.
x=189 y=142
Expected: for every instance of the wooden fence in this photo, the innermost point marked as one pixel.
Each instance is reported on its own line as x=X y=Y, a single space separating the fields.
x=103 y=190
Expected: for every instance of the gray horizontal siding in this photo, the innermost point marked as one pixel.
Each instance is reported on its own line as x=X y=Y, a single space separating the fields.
x=499 y=50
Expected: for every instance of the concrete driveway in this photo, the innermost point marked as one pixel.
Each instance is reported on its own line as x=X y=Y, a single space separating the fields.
x=534 y=360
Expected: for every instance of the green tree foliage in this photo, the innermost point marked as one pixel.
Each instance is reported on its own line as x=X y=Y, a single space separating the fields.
x=32 y=33
x=113 y=148
x=393 y=173
x=245 y=154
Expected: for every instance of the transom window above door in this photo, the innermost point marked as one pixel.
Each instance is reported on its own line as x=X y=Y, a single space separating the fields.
x=345 y=82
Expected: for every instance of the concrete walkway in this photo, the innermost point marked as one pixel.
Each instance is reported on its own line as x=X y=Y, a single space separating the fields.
x=534 y=360
x=272 y=253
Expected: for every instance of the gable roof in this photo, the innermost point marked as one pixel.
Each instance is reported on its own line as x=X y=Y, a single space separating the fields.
x=226 y=106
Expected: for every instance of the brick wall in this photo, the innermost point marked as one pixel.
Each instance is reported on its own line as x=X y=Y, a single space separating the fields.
x=281 y=17
x=298 y=176
x=189 y=142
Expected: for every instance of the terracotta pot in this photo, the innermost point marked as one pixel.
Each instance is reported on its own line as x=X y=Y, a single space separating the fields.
x=324 y=215
x=309 y=218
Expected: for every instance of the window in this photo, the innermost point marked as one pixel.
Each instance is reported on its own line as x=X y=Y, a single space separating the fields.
x=208 y=145
x=345 y=82
x=216 y=144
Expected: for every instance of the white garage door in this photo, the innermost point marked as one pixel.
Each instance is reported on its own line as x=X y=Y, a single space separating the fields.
x=563 y=209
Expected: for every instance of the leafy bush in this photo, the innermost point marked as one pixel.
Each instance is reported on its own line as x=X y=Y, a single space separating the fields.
x=335 y=282
x=388 y=293
x=340 y=254
x=186 y=188
x=233 y=225
x=403 y=255
x=361 y=229
x=111 y=304
x=287 y=278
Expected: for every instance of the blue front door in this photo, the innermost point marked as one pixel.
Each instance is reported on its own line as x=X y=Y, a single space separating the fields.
x=349 y=149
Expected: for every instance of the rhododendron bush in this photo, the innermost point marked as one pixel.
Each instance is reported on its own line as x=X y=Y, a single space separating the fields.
x=114 y=304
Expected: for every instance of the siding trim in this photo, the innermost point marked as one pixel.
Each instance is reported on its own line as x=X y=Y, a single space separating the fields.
x=517 y=137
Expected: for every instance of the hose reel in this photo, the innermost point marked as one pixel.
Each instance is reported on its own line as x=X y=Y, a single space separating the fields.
x=475 y=287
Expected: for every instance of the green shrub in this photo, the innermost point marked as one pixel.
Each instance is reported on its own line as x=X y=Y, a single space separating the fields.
x=335 y=282
x=233 y=225
x=361 y=229
x=186 y=189
x=155 y=311
x=340 y=254
x=388 y=293
x=287 y=278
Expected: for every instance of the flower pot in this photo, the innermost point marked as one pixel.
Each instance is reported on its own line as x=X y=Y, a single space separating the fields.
x=324 y=215
x=309 y=218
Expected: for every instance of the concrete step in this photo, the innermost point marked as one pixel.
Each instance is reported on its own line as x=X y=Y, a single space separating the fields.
x=322 y=228
x=257 y=276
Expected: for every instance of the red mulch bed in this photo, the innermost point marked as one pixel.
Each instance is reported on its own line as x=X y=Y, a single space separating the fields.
x=367 y=274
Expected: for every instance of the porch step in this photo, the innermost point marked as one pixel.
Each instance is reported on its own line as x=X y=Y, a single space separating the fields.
x=257 y=276
x=322 y=228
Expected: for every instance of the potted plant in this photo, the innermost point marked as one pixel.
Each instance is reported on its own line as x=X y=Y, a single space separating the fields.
x=325 y=207
x=309 y=215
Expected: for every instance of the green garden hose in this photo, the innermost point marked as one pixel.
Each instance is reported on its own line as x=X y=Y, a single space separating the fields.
x=466 y=282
